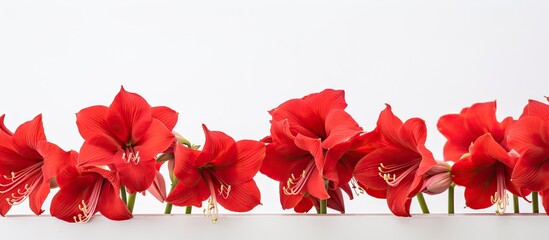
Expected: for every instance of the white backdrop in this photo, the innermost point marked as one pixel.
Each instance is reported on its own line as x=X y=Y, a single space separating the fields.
x=225 y=63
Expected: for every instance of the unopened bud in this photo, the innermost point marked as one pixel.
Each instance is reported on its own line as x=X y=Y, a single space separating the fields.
x=438 y=178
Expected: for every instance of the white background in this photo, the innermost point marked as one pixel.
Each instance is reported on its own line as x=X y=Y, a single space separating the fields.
x=225 y=63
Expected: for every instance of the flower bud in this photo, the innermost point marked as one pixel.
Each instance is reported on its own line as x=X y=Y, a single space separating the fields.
x=437 y=179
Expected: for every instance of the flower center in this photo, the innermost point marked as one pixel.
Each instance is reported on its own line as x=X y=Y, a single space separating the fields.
x=130 y=155
x=31 y=175
x=394 y=173
x=89 y=209
x=294 y=185
x=500 y=198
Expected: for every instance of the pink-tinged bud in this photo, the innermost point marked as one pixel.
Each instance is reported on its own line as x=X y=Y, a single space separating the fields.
x=437 y=179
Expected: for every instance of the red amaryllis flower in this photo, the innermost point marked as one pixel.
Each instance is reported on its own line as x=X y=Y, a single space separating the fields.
x=86 y=191
x=486 y=175
x=27 y=164
x=395 y=169
x=529 y=136
x=462 y=129
x=126 y=136
x=223 y=172
x=308 y=144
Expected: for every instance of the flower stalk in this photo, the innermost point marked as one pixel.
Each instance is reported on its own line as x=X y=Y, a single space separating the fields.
x=515 y=204
x=451 y=199
x=422 y=203
x=123 y=194
x=131 y=202
x=535 y=203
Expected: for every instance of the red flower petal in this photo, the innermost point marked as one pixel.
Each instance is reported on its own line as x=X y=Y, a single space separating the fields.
x=166 y=115
x=242 y=197
x=65 y=204
x=486 y=151
x=98 y=150
x=367 y=169
x=332 y=162
x=249 y=157
x=185 y=169
x=283 y=140
x=399 y=199
x=468 y=173
x=38 y=196
x=280 y=167
x=301 y=116
x=312 y=145
x=537 y=109
x=11 y=161
x=413 y=133
x=135 y=113
x=3 y=128
x=155 y=140
x=304 y=205
x=326 y=101
x=219 y=149
x=288 y=201
x=136 y=177
x=93 y=120
x=529 y=133
x=54 y=159
x=110 y=205
x=427 y=160
x=452 y=127
x=340 y=127
x=376 y=193
x=27 y=136
x=478 y=196
x=183 y=195
x=316 y=186
x=388 y=125
x=531 y=171
x=336 y=201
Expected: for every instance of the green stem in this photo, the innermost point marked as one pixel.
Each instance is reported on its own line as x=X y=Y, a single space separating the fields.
x=131 y=202
x=324 y=203
x=168 y=209
x=188 y=209
x=535 y=204
x=123 y=194
x=323 y=206
x=451 y=199
x=422 y=203
x=516 y=204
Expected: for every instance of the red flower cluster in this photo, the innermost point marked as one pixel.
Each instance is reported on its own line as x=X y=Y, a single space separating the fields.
x=315 y=150
x=316 y=147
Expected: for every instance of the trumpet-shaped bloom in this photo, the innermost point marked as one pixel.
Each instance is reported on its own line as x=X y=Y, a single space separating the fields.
x=223 y=172
x=462 y=129
x=126 y=136
x=309 y=144
x=486 y=175
x=27 y=164
x=86 y=191
x=395 y=170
